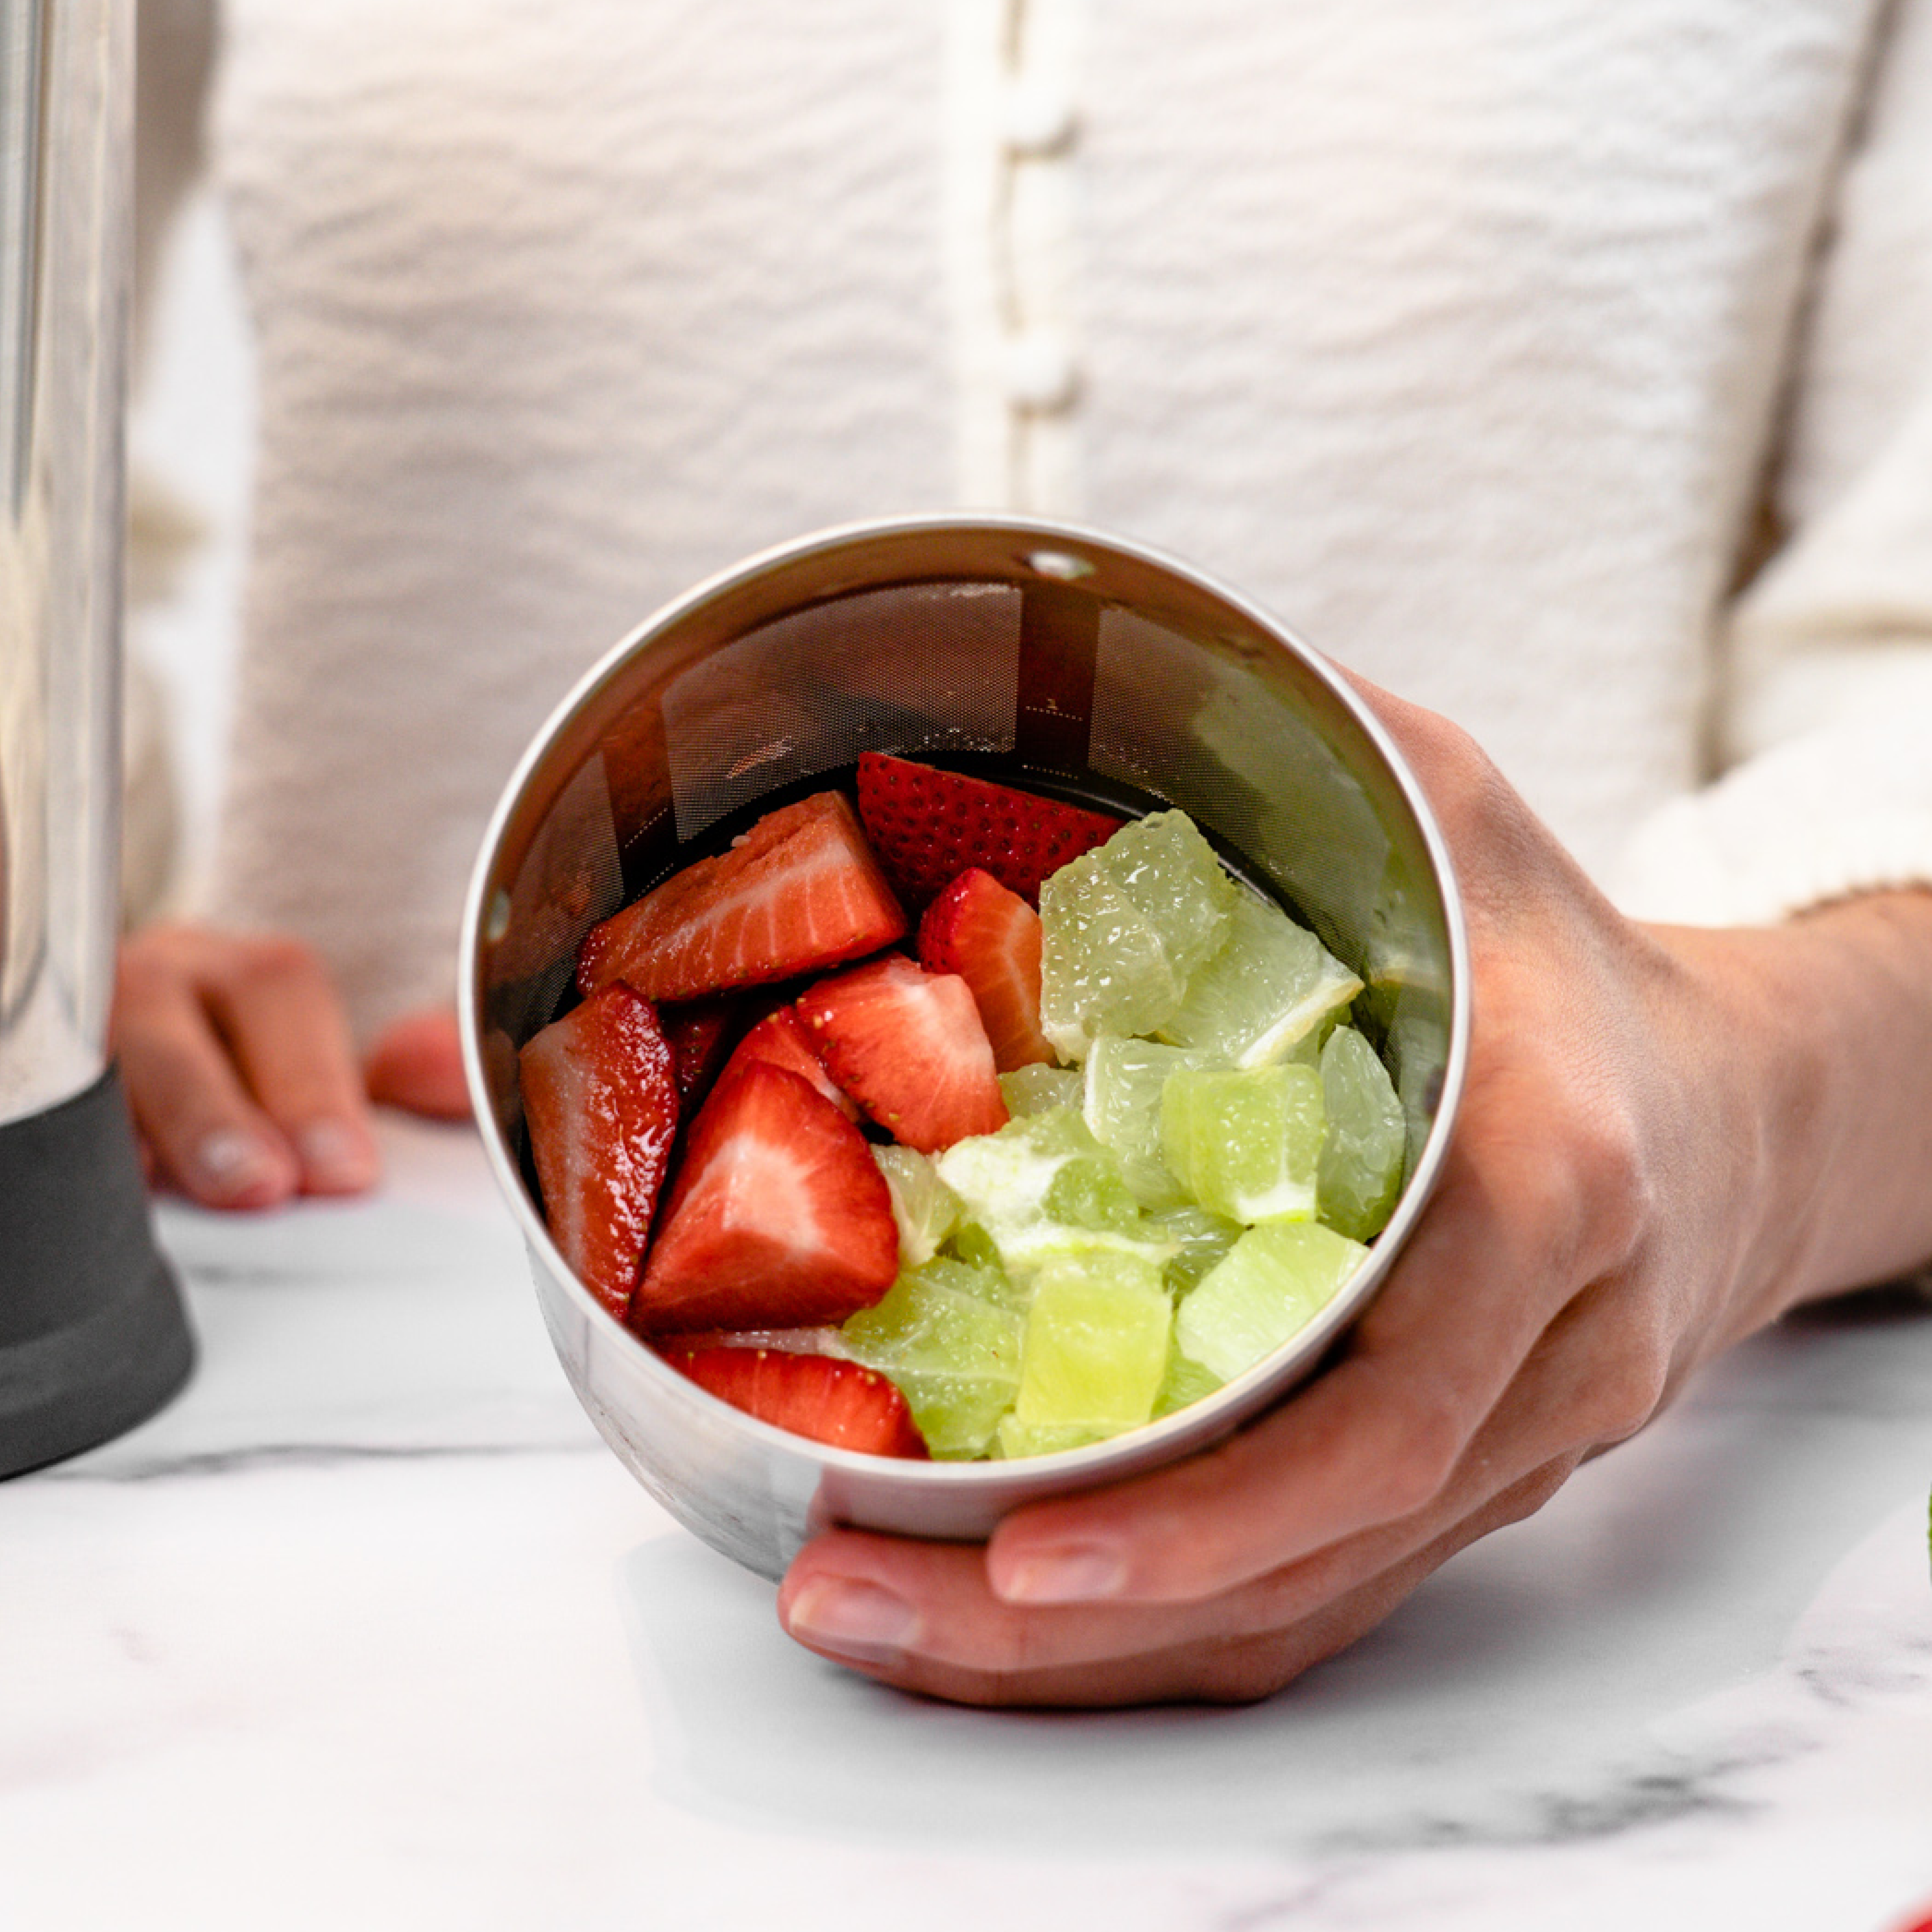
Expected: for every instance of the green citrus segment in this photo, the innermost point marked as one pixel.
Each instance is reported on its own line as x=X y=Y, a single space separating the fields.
x=971 y=1248
x=1102 y=967
x=971 y=1243
x=1359 y=1173
x=1124 y=927
x=1095 y=1346
x=1275 y=1279
x=1267 y=987
x=1205 y=1240
x=1089 y=1192
x=925 y=1209
x=954 y=1352
x=1015 y=1439
x=1121 y=1105
x=1037 y=1089
x=1245 y=1144
x=1170 y=871
x=1043 y=1186
x=1185 y=1381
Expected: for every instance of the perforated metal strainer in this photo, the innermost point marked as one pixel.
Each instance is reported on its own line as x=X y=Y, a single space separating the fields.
x=1051 y=658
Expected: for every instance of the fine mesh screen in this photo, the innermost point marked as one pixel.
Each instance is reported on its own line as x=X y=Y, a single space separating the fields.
x=917 y=666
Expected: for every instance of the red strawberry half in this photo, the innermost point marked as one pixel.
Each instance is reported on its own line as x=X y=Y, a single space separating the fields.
x=780 y=1038
x=991 y=938
x=927 y=826
x=843 y=1403
x=779 y=1217
x=908 y=1046
x=699 y=1034
x=601 y=1101
x=798 y=892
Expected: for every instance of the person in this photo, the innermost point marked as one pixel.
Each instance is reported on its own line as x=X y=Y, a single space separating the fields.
x=1561 y=368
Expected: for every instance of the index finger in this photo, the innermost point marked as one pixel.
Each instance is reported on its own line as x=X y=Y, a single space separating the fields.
x=276 y=1006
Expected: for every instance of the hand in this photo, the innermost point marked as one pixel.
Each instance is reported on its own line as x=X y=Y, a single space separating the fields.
x=1666 y=1138
x=242 y=1074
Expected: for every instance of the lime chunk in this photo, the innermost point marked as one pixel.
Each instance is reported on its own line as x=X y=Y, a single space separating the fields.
x=1185 y=1381
x=1245 y=1144
x=1123 y=927
x=1267 y=987
x=1170 y=871
x=1011 y=1184
x=942 y=1336
x=1205 y=1240
x=1037 y=1089
x=1276 y=1279
x=924 y=1207
x=1121 y=1105
x=1359 y=1173
x=970 y=1246
x=1015 y=1439
x=1095 y=1350
x=1089 y=1192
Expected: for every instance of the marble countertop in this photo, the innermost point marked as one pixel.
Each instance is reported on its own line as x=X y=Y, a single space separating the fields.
x=369 y=1628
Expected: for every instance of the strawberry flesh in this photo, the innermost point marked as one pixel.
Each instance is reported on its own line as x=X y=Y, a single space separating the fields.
x=779 y=1217
x=600 y=1099
x=909 y=1047
x=929 y=826
x=799 y=892
x=700 y=1034
x=990 y=938
x=842 y=1403
x=780 y=1038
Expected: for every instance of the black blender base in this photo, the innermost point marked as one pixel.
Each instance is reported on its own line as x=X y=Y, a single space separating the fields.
x=93 y=1336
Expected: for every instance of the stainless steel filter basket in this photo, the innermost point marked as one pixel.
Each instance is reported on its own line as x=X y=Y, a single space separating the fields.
x=1051 y=657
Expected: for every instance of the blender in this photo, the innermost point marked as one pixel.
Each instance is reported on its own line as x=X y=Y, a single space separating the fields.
x=93 y=1338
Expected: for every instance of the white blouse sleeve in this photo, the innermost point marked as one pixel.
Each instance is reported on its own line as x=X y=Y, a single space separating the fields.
x=1823 y=711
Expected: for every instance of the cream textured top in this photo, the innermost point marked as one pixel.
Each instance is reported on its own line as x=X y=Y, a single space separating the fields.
x=1474 y=340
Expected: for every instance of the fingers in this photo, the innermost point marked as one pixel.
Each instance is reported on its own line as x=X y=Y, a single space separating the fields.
x=923 y=1617
x=203 y=1132
x=273 y=1003
x=930 y=1617
x=239 y=1068
x=416 y=1064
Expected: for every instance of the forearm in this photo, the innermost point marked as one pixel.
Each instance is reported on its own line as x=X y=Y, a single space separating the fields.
x=1829 y=1018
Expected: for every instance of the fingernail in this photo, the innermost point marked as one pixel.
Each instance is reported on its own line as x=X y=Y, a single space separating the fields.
x=336 y=1156
x=864 y=1621
x=1075 y=1572
x=232 y=1161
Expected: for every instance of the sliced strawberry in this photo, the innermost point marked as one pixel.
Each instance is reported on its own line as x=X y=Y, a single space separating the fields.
x=991 y=938
x=779 y=1217
x=700 y=1034
x=927 y=826
x=843 y=1403
x=780 y=1038
x=600 y=1099
x=799 y=892
x=908 y=1046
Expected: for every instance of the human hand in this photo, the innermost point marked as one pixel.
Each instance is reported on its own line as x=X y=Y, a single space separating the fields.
x=241 y=1073
x=1660 y=1135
